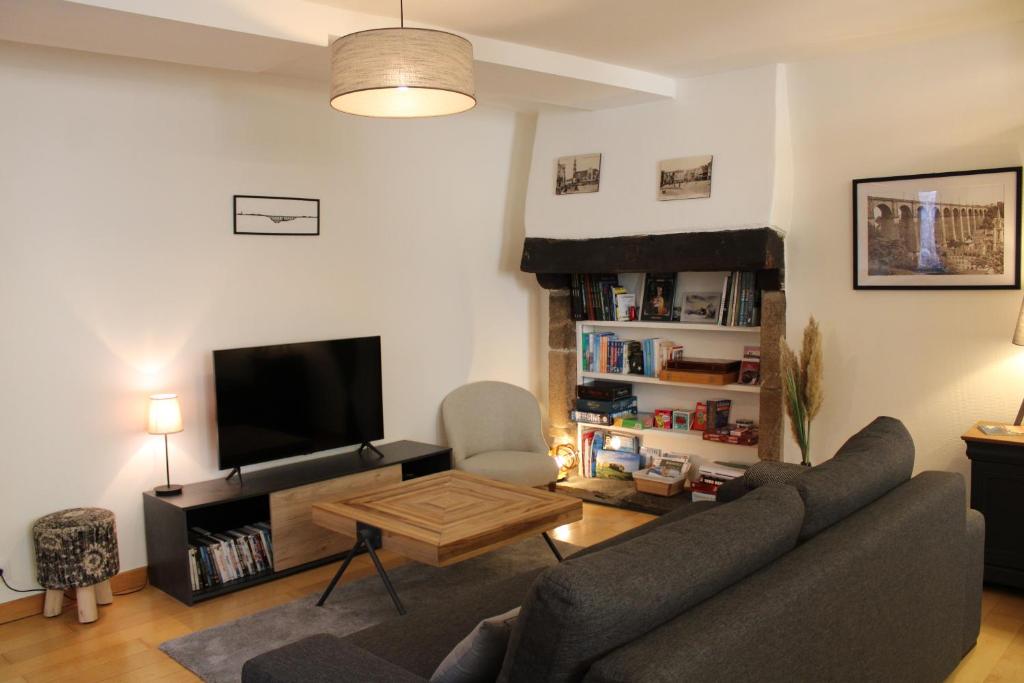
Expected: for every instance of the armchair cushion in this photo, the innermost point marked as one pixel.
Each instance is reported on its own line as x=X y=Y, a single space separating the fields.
x=514 y=467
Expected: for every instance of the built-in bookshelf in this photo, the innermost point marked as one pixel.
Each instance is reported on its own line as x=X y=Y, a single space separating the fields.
x=701 y=340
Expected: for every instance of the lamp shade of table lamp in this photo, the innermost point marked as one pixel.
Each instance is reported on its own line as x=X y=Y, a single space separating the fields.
x=164 y=419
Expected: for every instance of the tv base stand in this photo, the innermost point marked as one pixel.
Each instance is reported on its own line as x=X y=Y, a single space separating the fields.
x=366 y=445
x=238 y=471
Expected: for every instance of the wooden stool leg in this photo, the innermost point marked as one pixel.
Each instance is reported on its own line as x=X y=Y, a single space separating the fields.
x=86 y=598
x=53 y=604
x=104 y=596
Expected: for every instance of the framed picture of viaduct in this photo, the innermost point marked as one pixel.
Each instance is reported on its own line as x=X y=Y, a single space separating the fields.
x=957 y=230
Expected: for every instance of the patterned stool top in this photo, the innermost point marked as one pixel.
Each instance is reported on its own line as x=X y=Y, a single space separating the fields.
x=76 y=548
x=75 y=519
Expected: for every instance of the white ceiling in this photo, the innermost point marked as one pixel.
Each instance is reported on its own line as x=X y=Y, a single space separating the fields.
x=692 y=37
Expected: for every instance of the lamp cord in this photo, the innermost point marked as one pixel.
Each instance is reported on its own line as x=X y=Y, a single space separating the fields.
x=401 y=13
x=20 y=590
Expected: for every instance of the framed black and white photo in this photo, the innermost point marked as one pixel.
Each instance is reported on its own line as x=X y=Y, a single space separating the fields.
x=956 y=230
x=578 y=174
x=701 y=307
x=257 y=215
x=685 y=178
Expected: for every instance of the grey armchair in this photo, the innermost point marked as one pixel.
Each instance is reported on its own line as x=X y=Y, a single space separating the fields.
x=494 y=430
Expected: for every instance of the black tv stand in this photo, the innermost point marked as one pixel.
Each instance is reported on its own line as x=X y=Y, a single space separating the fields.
x=238 y=471
x=281 y=495
x=366 y=445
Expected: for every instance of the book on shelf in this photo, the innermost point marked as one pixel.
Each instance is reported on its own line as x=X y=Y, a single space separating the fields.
x=741 y=300
x=606 y=353
x=593 y=296
x=219 y=558
x=617 y=465
x=750 y=366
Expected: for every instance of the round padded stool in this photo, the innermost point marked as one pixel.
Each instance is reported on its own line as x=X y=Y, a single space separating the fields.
x=77 y=549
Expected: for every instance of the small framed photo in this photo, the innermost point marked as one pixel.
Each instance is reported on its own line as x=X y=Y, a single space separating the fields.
x=701 y=307
x=258 y=215
x=955 y=230
x=685 y=178
x=659 y=291
x=578 y=174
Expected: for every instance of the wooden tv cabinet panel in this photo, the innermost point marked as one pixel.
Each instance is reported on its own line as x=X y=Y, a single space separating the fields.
x=297 y=540
x=281 y=495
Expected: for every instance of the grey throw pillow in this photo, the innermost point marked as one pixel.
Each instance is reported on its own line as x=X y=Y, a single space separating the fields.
x=478 y=656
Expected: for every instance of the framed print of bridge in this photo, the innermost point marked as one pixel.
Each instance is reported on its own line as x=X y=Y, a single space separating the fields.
x=957 y=230
x=257 y=215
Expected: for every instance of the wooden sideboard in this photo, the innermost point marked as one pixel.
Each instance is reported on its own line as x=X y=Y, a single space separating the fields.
x=997 y=491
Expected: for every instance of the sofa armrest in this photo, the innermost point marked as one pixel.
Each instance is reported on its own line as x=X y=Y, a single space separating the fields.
x=323 y=659
x=975 y=572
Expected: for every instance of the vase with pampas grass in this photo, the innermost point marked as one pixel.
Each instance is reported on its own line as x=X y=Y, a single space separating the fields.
x=802 y=382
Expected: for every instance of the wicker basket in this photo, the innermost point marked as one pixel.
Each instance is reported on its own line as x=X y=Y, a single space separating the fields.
x=657 y=486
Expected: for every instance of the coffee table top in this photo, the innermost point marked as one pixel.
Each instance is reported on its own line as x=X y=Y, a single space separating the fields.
x=451 y=516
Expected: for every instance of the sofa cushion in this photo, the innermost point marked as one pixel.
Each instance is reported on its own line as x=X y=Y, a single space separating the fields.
x=589 y=605
x=871 y=463
x=478 y=656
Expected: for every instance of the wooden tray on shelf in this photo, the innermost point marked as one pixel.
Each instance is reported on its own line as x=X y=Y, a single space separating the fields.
x=710 y=378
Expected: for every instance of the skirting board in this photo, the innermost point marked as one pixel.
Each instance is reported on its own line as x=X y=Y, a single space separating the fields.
x=33 y=604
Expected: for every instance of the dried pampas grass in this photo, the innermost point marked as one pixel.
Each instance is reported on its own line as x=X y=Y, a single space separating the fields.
x=802 y=379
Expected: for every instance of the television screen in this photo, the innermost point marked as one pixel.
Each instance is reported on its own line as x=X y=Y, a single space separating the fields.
x=293 y=399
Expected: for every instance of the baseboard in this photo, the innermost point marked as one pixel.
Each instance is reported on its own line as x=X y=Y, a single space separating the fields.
x=33 y=604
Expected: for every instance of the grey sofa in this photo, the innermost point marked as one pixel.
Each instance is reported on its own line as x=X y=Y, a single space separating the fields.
x=853 y=571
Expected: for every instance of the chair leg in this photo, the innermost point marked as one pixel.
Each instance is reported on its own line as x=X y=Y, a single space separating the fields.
x=552 y=486
x=86 y=598
x=104 y=594
x=53 y=604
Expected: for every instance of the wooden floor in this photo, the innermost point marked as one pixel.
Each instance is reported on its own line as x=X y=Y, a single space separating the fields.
x=122 y=645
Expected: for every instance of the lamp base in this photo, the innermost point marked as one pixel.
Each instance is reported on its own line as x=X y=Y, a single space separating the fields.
x=169 y=490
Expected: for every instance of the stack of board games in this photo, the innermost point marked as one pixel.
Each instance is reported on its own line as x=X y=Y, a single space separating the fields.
x=602 y=402
x=742 y=433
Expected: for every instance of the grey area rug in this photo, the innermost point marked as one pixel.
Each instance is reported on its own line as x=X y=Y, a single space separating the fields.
x=217 y=654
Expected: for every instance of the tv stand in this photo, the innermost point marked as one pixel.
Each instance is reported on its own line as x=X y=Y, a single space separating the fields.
x=366 y=445
x=282 y=495
x=238 y=471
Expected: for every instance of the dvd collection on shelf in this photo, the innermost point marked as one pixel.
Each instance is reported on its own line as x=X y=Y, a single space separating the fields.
x=219 y=558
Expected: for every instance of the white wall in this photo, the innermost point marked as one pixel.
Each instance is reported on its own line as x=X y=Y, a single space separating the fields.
x=119 y=272
x=731 y=116
x=937 y=360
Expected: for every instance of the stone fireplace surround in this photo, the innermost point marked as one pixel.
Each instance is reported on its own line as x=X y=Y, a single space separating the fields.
x=760 y=250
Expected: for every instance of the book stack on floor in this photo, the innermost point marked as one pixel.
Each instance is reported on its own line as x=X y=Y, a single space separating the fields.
x=601 y=403
x=710 y=477
x=219 y=558
x=741 y=301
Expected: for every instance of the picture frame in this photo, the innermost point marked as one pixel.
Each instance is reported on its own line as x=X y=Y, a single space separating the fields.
x=578 y=174
x=264 y=215
x=701 y=307
x=659 y=295
x=950 y=230
x=685 y=178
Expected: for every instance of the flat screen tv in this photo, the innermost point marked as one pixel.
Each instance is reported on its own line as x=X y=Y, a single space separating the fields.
x=292 y=399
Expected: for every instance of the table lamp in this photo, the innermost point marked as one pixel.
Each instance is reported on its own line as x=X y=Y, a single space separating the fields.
x=1018 y=339
x=165 y=418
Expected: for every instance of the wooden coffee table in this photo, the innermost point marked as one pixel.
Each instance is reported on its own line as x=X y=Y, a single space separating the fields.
x=442 y=519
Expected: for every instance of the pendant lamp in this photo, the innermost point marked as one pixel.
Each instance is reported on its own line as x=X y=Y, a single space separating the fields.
x=402 y=73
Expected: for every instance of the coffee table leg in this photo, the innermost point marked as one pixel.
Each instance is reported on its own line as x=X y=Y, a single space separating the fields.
x=551 y=544
x=341 y=570
x=383 y=574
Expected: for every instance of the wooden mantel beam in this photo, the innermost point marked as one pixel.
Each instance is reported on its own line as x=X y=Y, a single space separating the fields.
x=755 y=249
